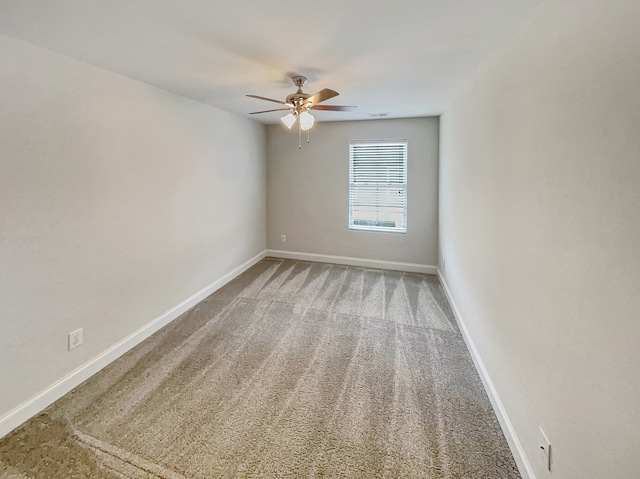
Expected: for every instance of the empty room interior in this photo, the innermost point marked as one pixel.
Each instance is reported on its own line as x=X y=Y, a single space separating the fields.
x=320 y=239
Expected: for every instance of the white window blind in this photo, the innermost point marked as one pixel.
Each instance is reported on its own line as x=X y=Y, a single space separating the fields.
x=378 y=185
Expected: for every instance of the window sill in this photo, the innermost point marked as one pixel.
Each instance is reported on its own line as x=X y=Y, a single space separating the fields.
x=377 y=230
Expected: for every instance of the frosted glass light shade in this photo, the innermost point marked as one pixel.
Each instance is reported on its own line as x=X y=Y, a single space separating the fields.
x=288 y=120
x=306 y=120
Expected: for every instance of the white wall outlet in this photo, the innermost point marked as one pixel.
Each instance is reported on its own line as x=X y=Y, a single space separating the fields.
x=283 y=238
x=75 y=339
x=545 y=449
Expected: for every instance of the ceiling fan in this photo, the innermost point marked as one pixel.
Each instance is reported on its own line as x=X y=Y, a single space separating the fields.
x=299 y=104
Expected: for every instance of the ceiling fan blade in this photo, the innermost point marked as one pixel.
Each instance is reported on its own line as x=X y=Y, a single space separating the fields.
x=333 y=107
x=267 y=111
x=321 y=96
x=268 y=99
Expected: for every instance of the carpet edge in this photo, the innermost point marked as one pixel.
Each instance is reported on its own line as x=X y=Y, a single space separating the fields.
x=524 y=466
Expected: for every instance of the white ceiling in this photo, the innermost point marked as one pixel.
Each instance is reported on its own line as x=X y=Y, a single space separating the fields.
x=402 y=57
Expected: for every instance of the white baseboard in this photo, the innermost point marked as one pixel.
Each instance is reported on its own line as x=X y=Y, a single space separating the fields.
x=347 y=260
x=524 y=466
x=33 y=406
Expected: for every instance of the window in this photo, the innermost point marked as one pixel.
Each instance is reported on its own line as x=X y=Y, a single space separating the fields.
x=378 y=185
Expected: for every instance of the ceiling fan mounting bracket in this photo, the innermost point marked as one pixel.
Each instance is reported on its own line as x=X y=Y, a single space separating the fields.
x=299 y=80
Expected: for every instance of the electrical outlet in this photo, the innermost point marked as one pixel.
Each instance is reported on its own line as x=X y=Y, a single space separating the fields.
x=75 y=339
x=545 y=449
x=283 y=238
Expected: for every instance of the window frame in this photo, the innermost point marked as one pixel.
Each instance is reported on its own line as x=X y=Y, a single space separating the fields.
x=402 y=186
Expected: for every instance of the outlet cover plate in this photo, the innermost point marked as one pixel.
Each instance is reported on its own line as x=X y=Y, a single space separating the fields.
x=75 y=339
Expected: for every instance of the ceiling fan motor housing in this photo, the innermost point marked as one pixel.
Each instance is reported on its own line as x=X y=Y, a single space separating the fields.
x=297 y=99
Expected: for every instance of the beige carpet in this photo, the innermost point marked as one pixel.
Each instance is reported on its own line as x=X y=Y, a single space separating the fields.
x=294 y=369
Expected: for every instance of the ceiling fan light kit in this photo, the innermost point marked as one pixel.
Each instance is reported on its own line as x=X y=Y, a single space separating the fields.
x=288 y=120
x=299 y=103
x=306 y=120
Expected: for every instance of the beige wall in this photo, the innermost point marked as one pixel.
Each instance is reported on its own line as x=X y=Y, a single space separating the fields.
x=117 y=202
x=308 y=191
x=540 y=229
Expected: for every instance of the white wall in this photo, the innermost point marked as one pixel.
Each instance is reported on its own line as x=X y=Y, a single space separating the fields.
x=540 y=229
x=117 y=201
x=308 y=191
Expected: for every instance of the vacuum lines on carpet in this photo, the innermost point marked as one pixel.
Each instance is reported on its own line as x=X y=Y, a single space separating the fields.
x=294 y=369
